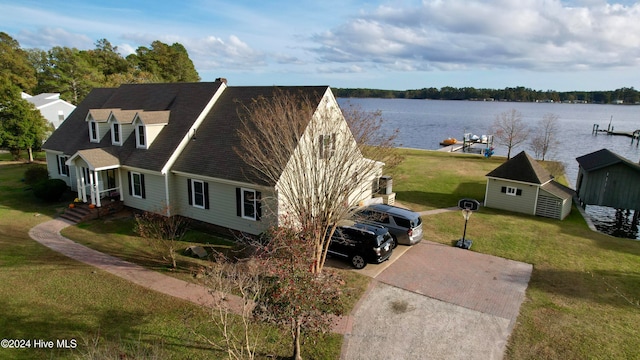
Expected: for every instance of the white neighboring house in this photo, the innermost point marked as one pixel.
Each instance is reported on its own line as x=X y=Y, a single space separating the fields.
x=52 y=108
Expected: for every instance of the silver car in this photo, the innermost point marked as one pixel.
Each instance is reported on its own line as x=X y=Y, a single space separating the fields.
x=405 y=226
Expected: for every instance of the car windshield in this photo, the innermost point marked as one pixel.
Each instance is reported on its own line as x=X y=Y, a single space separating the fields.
x=416 y=222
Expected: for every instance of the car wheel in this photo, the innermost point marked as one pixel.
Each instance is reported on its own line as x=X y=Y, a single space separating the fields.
x=358 y=262
x=395 y=242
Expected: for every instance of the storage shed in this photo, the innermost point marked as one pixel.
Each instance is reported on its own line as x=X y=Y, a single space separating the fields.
x=522 y=185
x=608 y=179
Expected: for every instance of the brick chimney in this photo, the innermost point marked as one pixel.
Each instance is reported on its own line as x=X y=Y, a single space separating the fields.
x=223 y=80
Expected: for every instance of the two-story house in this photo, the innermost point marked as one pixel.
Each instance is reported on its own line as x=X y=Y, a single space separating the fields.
x=175 y=146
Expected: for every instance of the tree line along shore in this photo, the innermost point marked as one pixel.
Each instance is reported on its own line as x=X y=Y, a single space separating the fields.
x=619 y=96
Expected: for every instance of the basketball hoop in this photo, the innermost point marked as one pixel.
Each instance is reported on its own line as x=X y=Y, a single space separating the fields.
x=468 y=206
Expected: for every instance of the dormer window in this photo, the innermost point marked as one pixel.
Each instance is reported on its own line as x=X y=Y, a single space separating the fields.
x=94 y=131
x=116 y=133
x=141 y=141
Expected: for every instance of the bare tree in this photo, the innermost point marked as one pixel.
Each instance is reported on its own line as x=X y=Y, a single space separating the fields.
x=544 y=141
x=234 y=319
x=300 y=144
x=509 y=130
x=162 y=231
x=274 y=285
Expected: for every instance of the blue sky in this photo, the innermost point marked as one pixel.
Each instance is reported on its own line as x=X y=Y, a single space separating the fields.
x=402 y=44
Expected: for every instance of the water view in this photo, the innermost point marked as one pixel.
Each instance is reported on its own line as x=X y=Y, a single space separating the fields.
x=423 y=124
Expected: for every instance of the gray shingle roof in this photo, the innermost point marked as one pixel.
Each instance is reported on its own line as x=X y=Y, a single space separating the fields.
x=99 y=158
x=185 y=101
x=603 y=158
x=213 y=152
x=558 y=190
x=522 y=167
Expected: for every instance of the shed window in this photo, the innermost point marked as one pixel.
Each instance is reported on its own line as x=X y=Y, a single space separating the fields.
x=509 y=190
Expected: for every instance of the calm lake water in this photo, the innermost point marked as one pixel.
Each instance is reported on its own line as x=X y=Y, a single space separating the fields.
x=423 y=124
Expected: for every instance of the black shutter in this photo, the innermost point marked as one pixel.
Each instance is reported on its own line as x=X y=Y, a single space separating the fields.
x=58 y=163
x=142 y=185
x=238 y=202
x=190 y=191
x=130 y=184
x=503 y=190
x=206 y=195
x=321 y=146
x=519 y=192
x=258 y=205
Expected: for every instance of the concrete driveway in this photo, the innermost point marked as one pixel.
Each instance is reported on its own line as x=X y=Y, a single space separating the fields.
x=433 y=301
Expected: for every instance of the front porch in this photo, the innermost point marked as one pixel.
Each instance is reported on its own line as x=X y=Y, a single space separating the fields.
x=84 y=212
x=98 y=176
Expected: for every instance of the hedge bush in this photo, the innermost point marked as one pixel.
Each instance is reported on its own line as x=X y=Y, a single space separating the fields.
x=35 y=174
x=50 y=190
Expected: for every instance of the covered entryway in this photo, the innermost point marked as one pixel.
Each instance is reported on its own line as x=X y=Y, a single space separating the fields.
x=98 y=176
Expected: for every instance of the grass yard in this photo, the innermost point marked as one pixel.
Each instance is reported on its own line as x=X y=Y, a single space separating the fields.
x=47 y=296
x=428 y=180
x=583 y=300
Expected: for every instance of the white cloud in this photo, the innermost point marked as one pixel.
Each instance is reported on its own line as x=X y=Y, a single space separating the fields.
x=46 y=36
x=459 y=34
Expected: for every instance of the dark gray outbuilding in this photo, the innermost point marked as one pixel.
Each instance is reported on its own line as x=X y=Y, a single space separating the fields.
x=607 y=179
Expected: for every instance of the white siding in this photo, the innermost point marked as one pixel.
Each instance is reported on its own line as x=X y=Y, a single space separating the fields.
x=551 y=206
x=523 y=203
x=52 y=168
x=222 y=205
x=152 y=132
x=154 y=200
x=333 y=170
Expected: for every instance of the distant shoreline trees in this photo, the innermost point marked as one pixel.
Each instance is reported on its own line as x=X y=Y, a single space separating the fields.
x=516 y=94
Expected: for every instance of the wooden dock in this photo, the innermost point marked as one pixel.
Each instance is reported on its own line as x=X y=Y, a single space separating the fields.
x=634 y=135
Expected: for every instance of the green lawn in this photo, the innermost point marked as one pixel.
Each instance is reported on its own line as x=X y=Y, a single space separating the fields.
x=583 y=300
x=44 y=295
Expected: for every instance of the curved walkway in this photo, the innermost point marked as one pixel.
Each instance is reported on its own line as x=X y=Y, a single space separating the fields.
x=48 y=234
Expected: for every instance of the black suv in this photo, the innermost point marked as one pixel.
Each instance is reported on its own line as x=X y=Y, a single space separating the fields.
x=361 y=244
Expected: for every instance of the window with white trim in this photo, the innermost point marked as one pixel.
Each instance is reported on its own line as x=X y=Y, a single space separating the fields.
x=141 y=140
x=116 y=130
x=327 y=145
x=249 y=204
x=197 y=193
x=94 y=131
x=510 y=190
x=137 y=185
x=86 y=173
x=63 y=168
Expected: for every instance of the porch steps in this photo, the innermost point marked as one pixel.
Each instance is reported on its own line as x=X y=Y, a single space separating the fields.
x=77 y=214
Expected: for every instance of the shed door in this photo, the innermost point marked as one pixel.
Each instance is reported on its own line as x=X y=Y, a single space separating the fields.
x=549 y=206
